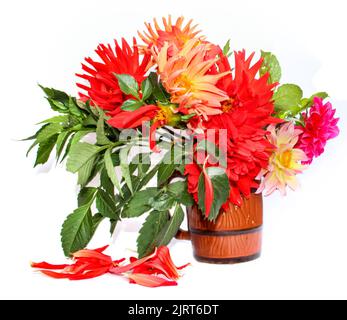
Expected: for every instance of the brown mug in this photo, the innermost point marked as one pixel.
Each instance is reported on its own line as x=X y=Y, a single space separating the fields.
x=234 y=237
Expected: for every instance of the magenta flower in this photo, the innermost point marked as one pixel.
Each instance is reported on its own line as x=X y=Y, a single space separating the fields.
x=320 y=126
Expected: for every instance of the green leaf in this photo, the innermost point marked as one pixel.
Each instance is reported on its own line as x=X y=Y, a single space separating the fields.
x=77 y=229
x=157 y=88
x=101 y=138
x=90 y=121
x=44 y=150
x=288 y=98
x=56 y=119
x=142 y=162
x=48 y=131
x=96 y=220
x=221 y=188
x=131 y=105
x=171 y=228
x=308 y=102
x=105 y=182
x=165 y=171
x=272 y=66
x=162 y=202
x=113 y=226
x=148 y=177
x=146 y=88
x=106 y=205
x=111 y=171
x=73 y=107
x=86 y=195
x=153 y=225
x=76 y=137
x=55 y=94
x=84 y=173
x=138 y=205
x=61 y=141
x=80 y=154
x=128 y=85
x=180 y=193
x=226 y=49
x=124 y=166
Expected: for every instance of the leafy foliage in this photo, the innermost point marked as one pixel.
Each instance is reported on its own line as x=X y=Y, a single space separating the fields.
x=154 y=224
x=271 y=66
x=221 y=189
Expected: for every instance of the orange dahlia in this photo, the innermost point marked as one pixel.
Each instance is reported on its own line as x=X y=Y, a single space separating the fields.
x=186 y=77
x=176 y=34
x=103 y=88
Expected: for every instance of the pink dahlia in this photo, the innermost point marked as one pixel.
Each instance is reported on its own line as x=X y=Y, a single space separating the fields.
x=320 y=126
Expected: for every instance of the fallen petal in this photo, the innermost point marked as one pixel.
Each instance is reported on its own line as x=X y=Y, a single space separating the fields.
x=150 y=280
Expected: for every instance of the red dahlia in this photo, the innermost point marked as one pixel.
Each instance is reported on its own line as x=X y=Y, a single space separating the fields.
x=103 y=89
x=246 y=113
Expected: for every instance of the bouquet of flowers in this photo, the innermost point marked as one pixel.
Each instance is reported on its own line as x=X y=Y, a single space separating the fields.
x=209 y=125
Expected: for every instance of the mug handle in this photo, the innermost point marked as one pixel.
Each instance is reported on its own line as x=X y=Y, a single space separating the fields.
x=183 y=235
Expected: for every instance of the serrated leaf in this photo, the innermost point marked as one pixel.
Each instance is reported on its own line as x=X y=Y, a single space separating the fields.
x=157 y=89
x=48 y=131
x=73 y=107
x=146 y=88
x=128 y=85
x=55 y=94
x=124 y=166
x=105 y=182
x=131 y=105
x=111 y=171
x=142 y=162
x=61 y=141
x=76 y=137
x=106 y=205
x=96 y=220
x=101 y=138
x=56 y=119
x=138 y=205
x=84 y=173
x=288 y=98
x=180 y=193
x=165 y=171
x=44 y=150
x=80 y=154
x=153 y=225
x=221 y=188
x=162 y=202
x=272 y=66
x=77 y=230
x=86 y=195
x=171 y=228
x=148 y=177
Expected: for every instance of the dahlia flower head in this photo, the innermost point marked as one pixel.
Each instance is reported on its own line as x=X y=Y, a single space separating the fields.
x=320 y=126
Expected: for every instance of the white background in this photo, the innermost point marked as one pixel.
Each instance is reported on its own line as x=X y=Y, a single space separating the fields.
x=304 y=250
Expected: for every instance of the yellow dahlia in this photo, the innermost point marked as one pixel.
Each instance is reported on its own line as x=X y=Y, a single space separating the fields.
x=176 y=34
x=186 y=77
x=285 y=162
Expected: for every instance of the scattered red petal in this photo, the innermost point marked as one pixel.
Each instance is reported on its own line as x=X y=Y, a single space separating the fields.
x=150 y=280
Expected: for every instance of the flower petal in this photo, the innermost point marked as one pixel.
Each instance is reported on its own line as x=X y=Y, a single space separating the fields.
x=45 y=265
x=150 y=281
